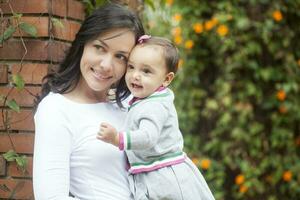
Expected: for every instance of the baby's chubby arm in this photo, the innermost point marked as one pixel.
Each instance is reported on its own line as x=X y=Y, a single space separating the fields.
x=109 y=134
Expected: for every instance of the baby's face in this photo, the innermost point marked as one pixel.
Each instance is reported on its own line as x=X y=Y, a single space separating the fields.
x=146 y=70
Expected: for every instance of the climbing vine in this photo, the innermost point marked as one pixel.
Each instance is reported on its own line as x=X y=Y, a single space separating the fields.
x=14 y=27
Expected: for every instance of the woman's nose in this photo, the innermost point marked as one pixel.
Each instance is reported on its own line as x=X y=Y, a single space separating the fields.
x=106 y=63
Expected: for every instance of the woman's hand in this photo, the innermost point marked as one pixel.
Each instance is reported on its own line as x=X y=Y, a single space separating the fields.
x=108 y=134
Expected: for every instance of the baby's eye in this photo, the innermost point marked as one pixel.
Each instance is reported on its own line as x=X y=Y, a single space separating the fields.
x=146 y=71
x=130 y=66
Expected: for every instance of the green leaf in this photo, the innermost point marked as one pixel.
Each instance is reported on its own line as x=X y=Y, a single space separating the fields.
x=7 y=33
x=100 y=2
x=265 y=74
x=57 y=23
x=18 y=81
x=87 y=2
x=10 y=155
x=225 y=119
x=12 y=104
x=251 y=88
x=150 y=4
x=212 y=104
x=28 y=28
x=243 y=23
x=89 y=6
x=21 y=162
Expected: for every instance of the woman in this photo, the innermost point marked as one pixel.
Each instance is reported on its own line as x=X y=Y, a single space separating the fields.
x=74 y=101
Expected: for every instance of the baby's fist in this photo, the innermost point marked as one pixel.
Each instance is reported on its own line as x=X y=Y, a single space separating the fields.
x=108 y=134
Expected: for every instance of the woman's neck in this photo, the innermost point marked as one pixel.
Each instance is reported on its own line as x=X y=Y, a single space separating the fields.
x=83 y=94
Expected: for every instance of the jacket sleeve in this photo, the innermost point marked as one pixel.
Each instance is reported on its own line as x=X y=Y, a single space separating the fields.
x=52 y=149
x=151 y=118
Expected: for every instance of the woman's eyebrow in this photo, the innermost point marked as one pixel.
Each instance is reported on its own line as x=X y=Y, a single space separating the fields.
x=102 y=42
x=124 y=52
x=106 y=45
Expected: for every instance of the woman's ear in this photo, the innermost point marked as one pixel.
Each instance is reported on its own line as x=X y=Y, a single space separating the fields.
x=168 y=79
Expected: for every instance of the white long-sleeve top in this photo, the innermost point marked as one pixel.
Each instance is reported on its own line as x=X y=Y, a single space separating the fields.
x=69 y=158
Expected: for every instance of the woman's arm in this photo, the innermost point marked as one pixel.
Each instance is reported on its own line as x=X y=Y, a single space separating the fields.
x=52 y=149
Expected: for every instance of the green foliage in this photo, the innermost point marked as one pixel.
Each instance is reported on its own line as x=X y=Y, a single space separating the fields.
x=150 y=3
x=57 y=23
x=238 y=91
x=11 y=29
x=91 y=5
x=28 y=28
x=10 y=156
x=21 y=161
x=7 y=33
x=18 y=81
x=12 y=104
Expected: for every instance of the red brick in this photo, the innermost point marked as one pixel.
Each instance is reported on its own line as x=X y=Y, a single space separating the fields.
x=59 y=7
x=40 y=23
x=23 y=97
x=2 y=166
x=36 y=50
x=15 y=171
x=57 y=50
x=76 y=10
x=25 y=6
x=3 y=73
x=17 y=189
x=32 y=73
x=22 y=142
x=18 y=121
x=62 y=32
x=22 y=121
x=67 y=32
x=1 y=118
x=74 y=29
x=63 y=8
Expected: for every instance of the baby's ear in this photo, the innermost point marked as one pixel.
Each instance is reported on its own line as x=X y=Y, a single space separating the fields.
x=168 y=79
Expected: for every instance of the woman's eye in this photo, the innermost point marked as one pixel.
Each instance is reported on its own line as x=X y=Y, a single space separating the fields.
x=122 y=57
x=98 y=47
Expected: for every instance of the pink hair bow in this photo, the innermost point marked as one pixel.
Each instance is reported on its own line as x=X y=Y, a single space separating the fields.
x=143 y=38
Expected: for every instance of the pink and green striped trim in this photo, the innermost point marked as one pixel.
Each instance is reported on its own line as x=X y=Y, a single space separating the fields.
x=124 y=141
x=158 y=94
x=172 y=159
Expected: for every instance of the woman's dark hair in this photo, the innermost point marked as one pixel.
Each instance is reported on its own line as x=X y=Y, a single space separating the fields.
x=105 y=18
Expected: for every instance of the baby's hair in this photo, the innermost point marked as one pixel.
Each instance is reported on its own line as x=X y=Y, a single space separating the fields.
x=170 y=52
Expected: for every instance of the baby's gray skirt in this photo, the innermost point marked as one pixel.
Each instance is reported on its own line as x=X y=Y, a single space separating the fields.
x=177 y=182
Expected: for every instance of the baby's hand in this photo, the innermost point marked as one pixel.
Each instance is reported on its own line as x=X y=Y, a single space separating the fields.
x=108 y=134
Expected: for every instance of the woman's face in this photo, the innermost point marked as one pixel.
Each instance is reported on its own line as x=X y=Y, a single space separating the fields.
x=104 y=60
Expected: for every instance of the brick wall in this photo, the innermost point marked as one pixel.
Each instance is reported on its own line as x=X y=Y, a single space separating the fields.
x=43 y=52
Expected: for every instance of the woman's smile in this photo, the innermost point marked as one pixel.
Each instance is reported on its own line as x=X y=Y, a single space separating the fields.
x=100 y=76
